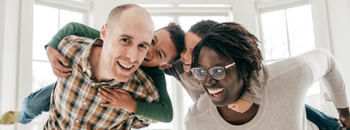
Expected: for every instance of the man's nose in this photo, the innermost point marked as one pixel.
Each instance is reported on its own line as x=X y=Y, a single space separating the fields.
x=132 y=53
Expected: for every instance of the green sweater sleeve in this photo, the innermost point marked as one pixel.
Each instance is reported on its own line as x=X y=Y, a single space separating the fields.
x=73 y=28
x=162 y=111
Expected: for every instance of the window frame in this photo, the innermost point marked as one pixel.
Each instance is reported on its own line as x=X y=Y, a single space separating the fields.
x=26 y=42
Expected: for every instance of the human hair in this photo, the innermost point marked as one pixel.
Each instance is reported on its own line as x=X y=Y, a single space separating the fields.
x=116 y=12
x=234 y=42
x=202 y=27
x=177 y=37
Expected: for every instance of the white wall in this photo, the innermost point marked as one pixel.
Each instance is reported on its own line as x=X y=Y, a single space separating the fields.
x=9 y=55
x=2 y=31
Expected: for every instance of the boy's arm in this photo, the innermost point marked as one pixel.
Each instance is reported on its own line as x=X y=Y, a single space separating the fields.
x=73 y=28
x=55 y=58
x=163 y=110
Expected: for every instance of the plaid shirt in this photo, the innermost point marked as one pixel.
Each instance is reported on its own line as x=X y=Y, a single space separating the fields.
x=74 y=100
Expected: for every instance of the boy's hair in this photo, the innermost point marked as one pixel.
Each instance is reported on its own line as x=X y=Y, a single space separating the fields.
x=177 y=37
x=234 y=42
x=202 y=27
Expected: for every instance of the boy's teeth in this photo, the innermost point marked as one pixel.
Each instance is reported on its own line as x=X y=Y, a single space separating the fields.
x=213 y=91
x=125 y=65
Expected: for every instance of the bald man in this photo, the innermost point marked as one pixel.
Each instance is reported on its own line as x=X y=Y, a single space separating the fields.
x=103 y=64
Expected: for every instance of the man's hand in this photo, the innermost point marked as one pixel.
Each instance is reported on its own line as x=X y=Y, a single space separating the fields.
x=55 y=58
x=241 y=105
x=344 y=116
x=117 y=98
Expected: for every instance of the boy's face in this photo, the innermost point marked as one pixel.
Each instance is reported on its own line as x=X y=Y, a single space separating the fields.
x=161 y=51
x=191 y=40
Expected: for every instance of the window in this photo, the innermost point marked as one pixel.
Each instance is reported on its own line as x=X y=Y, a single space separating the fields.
x=47 y=21
x=288 y=32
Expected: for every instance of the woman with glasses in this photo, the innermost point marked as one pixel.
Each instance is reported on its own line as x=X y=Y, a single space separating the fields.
x=228 y=59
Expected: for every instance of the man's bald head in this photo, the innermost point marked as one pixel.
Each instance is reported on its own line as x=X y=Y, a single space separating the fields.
x=116 y=13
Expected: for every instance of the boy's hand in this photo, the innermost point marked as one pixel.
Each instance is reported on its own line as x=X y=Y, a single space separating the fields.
x=241 y=105
x=117 y=98
x=55 y=58
x=344 y=117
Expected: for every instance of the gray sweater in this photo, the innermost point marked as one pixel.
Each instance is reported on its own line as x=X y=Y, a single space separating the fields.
x=284 y=87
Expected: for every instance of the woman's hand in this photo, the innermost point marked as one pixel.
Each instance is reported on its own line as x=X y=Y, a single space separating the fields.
x=55 y=58
x=117 y=98
x=241 y=105
x=344 y=116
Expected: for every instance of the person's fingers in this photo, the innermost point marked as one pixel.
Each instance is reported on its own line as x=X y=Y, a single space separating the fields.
x=104 y=92
x=231 y=105
x=65 y=70
x=62 y=59
x=120 y=90
x=62 y=68
x=60 y=74
x=55 y=72
x=107 y=105
x=114 y=92
x=104 y=97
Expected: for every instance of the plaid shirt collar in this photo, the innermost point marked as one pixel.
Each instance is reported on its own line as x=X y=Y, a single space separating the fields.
x=86 y=66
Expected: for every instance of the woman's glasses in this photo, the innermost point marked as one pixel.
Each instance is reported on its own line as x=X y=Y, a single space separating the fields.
x=217 y=73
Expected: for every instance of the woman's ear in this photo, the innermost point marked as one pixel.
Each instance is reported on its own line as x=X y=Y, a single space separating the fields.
x=164 y=66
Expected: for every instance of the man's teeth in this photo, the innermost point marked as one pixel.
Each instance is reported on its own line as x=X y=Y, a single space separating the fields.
x=186 y=63
x=125 y=65
x=213 y=91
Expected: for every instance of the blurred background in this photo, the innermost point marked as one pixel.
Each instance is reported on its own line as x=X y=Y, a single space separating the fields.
x=285 y=28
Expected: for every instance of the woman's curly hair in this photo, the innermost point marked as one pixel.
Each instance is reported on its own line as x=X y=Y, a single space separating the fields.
x=233 y=41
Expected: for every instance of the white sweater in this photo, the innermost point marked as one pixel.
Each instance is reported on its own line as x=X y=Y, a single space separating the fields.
x=282 y=105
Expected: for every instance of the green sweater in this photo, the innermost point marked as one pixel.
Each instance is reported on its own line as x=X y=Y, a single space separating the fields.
x=162 y=111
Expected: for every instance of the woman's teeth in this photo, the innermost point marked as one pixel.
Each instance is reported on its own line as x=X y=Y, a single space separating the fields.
x=213 y=91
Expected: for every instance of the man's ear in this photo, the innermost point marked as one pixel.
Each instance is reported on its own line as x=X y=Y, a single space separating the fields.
x=103 y=33
x=164 y=66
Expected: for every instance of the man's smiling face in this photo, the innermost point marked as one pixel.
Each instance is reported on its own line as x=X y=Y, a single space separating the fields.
x=126 y=43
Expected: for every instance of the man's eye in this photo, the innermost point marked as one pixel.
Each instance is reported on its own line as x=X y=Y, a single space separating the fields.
x=143 y=46
x=125 y=40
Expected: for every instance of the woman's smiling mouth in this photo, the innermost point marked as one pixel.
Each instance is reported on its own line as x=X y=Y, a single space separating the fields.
x=216 y=93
